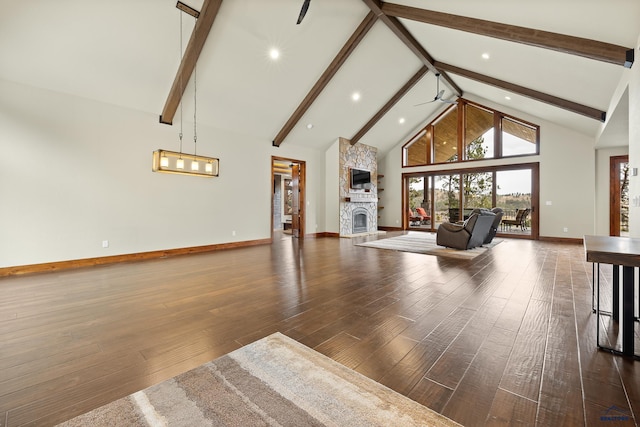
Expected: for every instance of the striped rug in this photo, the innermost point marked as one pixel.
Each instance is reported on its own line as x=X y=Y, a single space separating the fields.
x=425 y=243
x=275 y=381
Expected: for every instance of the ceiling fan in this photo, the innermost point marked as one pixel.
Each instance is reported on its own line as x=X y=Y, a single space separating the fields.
x=303 y=11
x=439 y=94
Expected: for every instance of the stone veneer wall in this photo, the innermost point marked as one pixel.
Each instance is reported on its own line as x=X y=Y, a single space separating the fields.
x=358 y=156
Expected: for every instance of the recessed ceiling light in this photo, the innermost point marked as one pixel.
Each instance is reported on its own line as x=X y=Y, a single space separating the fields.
x=274 y=53
x=485 y=56
x=355 y=96
x=309 y=125
x=508 y=98
x=401 y=120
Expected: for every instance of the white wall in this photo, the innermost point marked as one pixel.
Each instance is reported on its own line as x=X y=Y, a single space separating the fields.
x=389 y=165
x=567 y=178
x=75 y=172
x=634 y=143
x=332 y=187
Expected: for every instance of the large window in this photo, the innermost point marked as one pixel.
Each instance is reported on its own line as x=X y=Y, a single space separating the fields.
x=445 y=137
x=452 y=195
x=487 y=134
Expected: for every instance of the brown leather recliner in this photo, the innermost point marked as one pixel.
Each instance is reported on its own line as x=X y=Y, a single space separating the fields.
x=496 y=223
x=470 y=234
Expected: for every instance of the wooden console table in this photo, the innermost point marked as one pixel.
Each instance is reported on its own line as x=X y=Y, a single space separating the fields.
x=617 y=251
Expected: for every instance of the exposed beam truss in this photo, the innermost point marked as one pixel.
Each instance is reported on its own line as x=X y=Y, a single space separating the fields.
x=326 y=77
x=384 y=110
x=587 y=48
x=192 y=52
x=592 y=113
x=401 y=32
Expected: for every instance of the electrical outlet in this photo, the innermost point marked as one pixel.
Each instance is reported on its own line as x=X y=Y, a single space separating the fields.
x=566 y=230
x=105 y=243
x=233 y=233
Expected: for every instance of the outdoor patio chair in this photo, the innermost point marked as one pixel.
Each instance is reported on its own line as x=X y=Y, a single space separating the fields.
x=520 y=219
x=425 y=217
x=414 y=219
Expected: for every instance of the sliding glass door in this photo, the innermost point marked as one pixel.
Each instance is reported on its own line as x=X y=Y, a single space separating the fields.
x=514 y=191
x=436 y=197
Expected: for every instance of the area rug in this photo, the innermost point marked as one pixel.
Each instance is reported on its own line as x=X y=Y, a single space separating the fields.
x=275 y=381
x=425 y=243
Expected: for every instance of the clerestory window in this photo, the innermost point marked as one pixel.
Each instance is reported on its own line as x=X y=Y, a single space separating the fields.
x=468 y=131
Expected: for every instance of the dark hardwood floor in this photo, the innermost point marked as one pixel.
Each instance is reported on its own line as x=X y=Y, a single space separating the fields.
x=507 y=338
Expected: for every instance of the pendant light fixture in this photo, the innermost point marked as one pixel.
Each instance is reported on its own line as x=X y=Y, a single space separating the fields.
x=172 y=162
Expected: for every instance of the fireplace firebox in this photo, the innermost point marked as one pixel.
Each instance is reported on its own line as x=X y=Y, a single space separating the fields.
x=359 y=221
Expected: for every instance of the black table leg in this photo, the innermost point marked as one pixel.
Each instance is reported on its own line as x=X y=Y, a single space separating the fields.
x=615 y=298
x=628 y=320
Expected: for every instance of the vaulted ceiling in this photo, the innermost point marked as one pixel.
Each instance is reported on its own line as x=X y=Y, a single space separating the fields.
x=559 y=60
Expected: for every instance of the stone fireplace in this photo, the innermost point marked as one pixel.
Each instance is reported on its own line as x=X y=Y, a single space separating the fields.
x=358 y=207
x=359 y=221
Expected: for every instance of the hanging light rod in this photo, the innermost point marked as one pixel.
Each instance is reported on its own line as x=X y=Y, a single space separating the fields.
x=188 y=9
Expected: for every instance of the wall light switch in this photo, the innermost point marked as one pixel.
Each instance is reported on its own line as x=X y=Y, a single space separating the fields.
x=548 y=203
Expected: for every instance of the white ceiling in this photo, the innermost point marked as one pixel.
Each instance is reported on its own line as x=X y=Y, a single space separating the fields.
x=126 y=52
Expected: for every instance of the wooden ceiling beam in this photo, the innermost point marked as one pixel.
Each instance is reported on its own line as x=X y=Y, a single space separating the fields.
x=403 y=34
x=326 y=77
x=587 y=48
x=592 y=113
x=384 y=110
x=192 y=52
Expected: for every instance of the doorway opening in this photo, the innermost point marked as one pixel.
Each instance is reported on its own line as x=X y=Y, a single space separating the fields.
x=619 y=196
x=288 y=197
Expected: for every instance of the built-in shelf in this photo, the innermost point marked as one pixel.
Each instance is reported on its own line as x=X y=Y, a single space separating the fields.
x=380 y=190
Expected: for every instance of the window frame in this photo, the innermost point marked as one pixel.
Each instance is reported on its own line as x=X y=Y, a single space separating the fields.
x=461 y=106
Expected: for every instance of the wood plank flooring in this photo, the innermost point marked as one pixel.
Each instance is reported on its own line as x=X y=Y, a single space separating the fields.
x=507 y=338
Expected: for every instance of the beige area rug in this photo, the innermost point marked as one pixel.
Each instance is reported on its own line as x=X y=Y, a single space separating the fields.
x=275 y=381
x=425 y=243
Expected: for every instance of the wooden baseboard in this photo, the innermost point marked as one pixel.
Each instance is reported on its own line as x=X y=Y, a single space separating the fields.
x=561 y=240
x=382 y=228
x=327 y=234
x=114 y=259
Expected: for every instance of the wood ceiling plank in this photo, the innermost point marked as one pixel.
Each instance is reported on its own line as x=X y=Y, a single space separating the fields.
x=592 y=49
x=403 y=34
x=592 y=113
x=192 y=52
x=385 y=109
x=326 y=77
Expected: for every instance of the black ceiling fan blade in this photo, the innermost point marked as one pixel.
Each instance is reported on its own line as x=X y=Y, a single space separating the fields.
x=303 y=11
